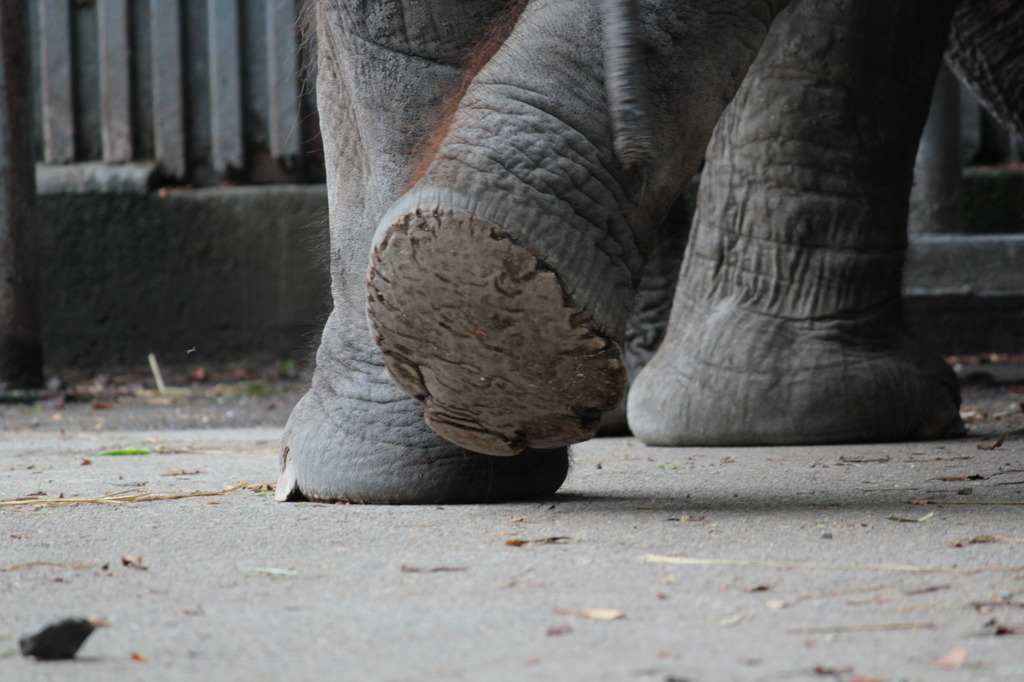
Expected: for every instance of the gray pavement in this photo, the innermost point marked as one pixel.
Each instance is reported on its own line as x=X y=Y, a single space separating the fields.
x=805 y=574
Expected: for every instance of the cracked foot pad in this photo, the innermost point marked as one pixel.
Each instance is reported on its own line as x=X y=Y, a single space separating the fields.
x=482 y=332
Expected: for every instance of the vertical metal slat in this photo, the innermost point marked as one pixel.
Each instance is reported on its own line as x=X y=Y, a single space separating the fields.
x=168 y=100
x=225 y=85
x=283 y=76
x=57 y=103
x=115 y=81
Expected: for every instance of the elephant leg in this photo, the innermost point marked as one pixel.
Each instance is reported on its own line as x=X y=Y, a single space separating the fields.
x=500 y=284
x=986 y=50
x=786 y=326
x=648 y=320
x=384 y=68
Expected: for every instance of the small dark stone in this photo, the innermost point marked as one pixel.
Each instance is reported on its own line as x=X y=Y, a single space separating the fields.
x=57 y=640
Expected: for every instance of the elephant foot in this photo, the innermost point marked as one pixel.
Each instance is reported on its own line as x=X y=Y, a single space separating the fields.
x=363 y=441
x=730 y=376
x=485 y=334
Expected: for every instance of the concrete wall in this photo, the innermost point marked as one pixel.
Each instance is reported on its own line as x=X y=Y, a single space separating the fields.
x=233 y=272
x=239 y=274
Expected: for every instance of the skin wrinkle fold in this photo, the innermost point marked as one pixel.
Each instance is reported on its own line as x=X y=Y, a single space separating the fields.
x=608 y=187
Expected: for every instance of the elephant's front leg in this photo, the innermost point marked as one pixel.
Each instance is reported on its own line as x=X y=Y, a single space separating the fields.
x=384 y=68
x=786 y=326
x=501 y=282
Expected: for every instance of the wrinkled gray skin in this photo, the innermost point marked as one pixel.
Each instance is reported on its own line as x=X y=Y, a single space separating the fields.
x=786 y=323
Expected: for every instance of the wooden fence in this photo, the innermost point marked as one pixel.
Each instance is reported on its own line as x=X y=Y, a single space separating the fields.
x=212 y=90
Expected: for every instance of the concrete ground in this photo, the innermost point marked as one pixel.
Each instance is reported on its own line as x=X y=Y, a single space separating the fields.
x=828 y=564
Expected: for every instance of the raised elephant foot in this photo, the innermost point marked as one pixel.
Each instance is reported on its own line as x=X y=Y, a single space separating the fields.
x=729 y=376
x=485 y=334
x=357 y=438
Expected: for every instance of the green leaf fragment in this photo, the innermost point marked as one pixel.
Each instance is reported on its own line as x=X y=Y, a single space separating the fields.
x=123 y=452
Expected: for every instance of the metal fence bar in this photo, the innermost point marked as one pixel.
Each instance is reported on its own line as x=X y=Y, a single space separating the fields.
x=168 y=99
x=283 y=76
x=57 y=93
x=225 y=85
x=115 y=81
x=20 y=347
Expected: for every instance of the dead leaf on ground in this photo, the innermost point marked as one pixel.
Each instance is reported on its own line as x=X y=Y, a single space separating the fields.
x=137 y=657
x=896 y=568
x=594 y=613
x=730 y=621
x=866 y=627
x=862 y=460
x=995 y=446
x=993 y=502
x=518 y=519
x=557 y=630
x=133 y=561
x=984 y=539
x=904 y=519
x=281 y=572
x=40 y=564
x=557 y=540
x=258 y=487
x=952 y=659
x=993 y=628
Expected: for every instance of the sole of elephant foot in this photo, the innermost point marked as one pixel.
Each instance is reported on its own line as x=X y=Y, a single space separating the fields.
x=737 y=378
x=337 y=449
x=482 y=331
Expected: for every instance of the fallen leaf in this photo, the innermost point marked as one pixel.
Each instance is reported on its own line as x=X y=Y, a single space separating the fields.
x=133 y=561
x=287 y=572
x=995 y=446
x=557 y=540
x=861 y=460
x=138 y=658
x=759 y=588
x=994 y=628
x=518 y=519
x=86 y=462
x=688 y=519
x=963 y=502
x=595 y=613
x=867 y=627
x=904 y=519
x=952 y=659
x=896 y=568
x=102 y=406
x=60 y=640
x=729 y=621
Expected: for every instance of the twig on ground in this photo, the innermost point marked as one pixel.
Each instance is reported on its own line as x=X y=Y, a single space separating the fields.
x=896 y=568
